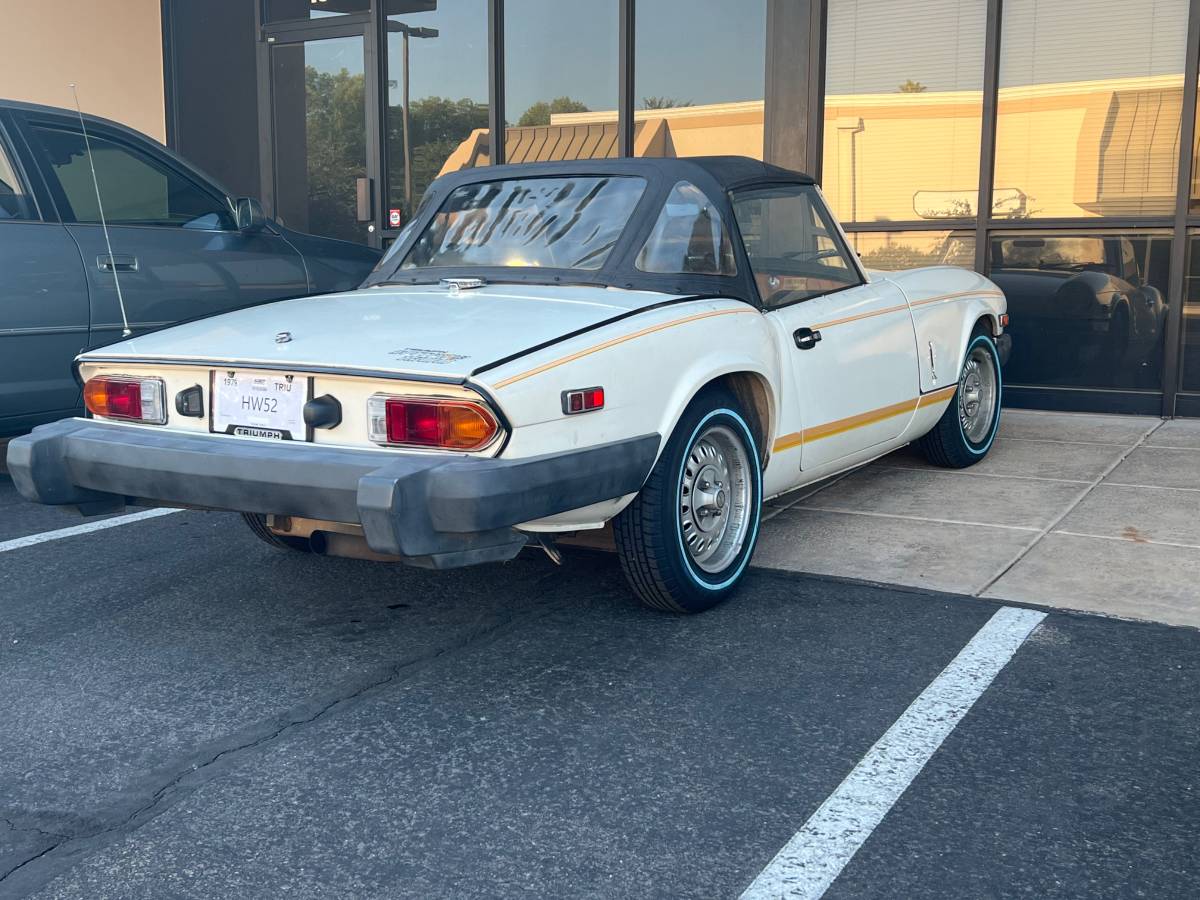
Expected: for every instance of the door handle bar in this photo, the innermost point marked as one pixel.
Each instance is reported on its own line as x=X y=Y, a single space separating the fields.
x=118 y=262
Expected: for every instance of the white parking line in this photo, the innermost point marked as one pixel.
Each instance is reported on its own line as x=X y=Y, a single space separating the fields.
x=817 y=853
x=87 y=528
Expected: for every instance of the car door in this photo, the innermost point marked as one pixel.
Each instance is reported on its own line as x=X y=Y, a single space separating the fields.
x=175 y=246
x=43 y=301
x=849 y=342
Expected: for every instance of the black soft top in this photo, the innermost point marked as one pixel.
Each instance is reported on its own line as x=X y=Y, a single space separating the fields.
x=716 y=176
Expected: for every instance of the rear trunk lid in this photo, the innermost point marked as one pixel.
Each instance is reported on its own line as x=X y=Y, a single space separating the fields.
x=414 y=330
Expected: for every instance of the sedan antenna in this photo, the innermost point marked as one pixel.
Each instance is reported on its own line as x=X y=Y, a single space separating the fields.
x=112 y=262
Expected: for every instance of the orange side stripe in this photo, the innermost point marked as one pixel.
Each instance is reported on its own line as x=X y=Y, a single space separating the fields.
x=562 y=360
x=860 y=316
x=840 y=426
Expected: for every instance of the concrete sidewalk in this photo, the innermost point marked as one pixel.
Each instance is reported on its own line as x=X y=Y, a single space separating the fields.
x=1086 y=512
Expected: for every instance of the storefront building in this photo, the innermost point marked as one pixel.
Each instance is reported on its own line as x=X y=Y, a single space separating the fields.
x=1048 y=143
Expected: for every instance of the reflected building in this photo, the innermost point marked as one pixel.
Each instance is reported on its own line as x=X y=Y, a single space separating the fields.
x=1038 y=141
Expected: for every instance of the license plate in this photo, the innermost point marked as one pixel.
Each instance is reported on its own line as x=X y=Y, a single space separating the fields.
x=259 y=406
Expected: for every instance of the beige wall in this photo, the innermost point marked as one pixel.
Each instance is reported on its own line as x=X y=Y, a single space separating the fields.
x=111 y=49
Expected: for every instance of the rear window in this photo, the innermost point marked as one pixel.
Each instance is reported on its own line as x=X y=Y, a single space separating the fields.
x=561 y=223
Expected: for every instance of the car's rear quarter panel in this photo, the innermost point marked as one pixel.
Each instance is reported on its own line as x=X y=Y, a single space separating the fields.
x=650 y=365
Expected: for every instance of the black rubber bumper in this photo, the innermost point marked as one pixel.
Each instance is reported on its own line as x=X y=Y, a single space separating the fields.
x=434 y=510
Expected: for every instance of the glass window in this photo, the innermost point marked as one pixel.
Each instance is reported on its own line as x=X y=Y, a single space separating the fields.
x=560 y=223
x=698 y=77
x=14 y=204
x=1190 y=363
x=560 y=80
x=291 y=10
x=320 y=135
x=1089 y=309
x=888 y=251
x=437 y=65
x=793 y=245
x=1092 y=131
x=903 y=109
x=135 y=188
x=689 y=237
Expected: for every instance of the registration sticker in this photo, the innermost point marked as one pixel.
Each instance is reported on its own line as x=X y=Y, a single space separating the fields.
x=254 y=405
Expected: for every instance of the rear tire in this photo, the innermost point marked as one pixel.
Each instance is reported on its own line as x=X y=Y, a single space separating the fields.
x=965 y=432
x=686 y=539
x=258 y=524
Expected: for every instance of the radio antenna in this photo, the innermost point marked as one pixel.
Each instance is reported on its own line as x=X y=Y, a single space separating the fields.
x=112 y=262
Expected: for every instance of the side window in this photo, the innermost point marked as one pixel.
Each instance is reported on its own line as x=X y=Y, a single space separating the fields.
x=135 y=188
x=794 y=248
x=689 y=237
x=14 y=202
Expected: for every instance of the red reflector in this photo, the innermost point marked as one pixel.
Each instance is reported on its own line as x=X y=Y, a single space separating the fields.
x=1004 y=321
x=582 y=400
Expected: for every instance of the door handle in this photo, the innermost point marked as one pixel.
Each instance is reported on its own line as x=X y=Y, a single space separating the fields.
x=806 y=338
x=118 y=262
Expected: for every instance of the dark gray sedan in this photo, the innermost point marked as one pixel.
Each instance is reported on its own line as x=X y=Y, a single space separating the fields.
x=181 y=246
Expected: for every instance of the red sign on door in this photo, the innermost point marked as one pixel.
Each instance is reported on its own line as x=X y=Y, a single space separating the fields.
x=394 y=217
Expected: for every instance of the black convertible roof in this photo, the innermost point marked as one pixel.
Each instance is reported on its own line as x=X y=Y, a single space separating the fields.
x=715 y=175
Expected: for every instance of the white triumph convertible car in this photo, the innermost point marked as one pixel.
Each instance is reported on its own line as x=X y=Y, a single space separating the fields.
x=659 y=344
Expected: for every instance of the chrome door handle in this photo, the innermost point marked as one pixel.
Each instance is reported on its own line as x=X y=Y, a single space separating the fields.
x=806 y=338
x=118 y=262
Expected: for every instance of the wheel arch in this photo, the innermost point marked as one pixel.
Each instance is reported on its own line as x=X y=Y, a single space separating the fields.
x=754 y=393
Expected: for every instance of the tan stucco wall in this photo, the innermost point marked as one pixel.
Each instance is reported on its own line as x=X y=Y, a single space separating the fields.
x=112 y=50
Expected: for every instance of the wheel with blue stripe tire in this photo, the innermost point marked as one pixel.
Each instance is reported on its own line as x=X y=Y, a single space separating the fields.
x=686 y=539
x=967 y=429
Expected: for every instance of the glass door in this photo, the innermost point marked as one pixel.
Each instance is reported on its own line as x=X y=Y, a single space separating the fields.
x=322 y=160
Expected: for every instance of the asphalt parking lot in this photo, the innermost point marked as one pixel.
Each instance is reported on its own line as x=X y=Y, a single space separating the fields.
x=187 y=712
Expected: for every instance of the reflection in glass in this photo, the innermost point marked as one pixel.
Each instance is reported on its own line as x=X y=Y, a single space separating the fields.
x=1088 y=309
x=320 y=135
x=290 y=10
x=1091 y=93
x=1190 y=364
x=698 y=77
x=888 y=251
x=903 y=109
x=437 y=100
x=560 y=80
x=559 y=223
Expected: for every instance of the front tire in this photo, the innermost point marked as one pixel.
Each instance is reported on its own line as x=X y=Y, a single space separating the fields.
x=965 y=432
x=686 y=539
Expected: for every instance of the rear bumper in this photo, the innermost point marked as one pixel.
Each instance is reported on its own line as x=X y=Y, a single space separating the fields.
x=434 y=510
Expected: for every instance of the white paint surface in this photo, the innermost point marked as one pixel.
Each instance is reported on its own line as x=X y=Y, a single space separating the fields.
x=87 y=528
x=816 y=855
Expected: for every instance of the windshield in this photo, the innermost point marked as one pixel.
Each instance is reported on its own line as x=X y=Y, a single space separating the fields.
x=563 y=223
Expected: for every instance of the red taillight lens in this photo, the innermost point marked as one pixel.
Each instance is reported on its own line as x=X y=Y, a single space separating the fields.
x=124 y=397
x=431 y=422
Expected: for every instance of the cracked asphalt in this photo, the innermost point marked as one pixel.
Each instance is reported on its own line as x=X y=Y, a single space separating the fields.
x=187 y=712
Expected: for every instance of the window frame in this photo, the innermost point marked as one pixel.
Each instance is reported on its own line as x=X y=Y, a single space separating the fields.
x=8 y=151
x=836 y=234
x=66 y=212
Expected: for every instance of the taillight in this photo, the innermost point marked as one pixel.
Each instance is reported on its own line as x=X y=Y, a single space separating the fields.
x=436 y=423
x=125 y=397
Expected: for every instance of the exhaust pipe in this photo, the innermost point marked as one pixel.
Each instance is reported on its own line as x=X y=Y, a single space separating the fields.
x=349 y=546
